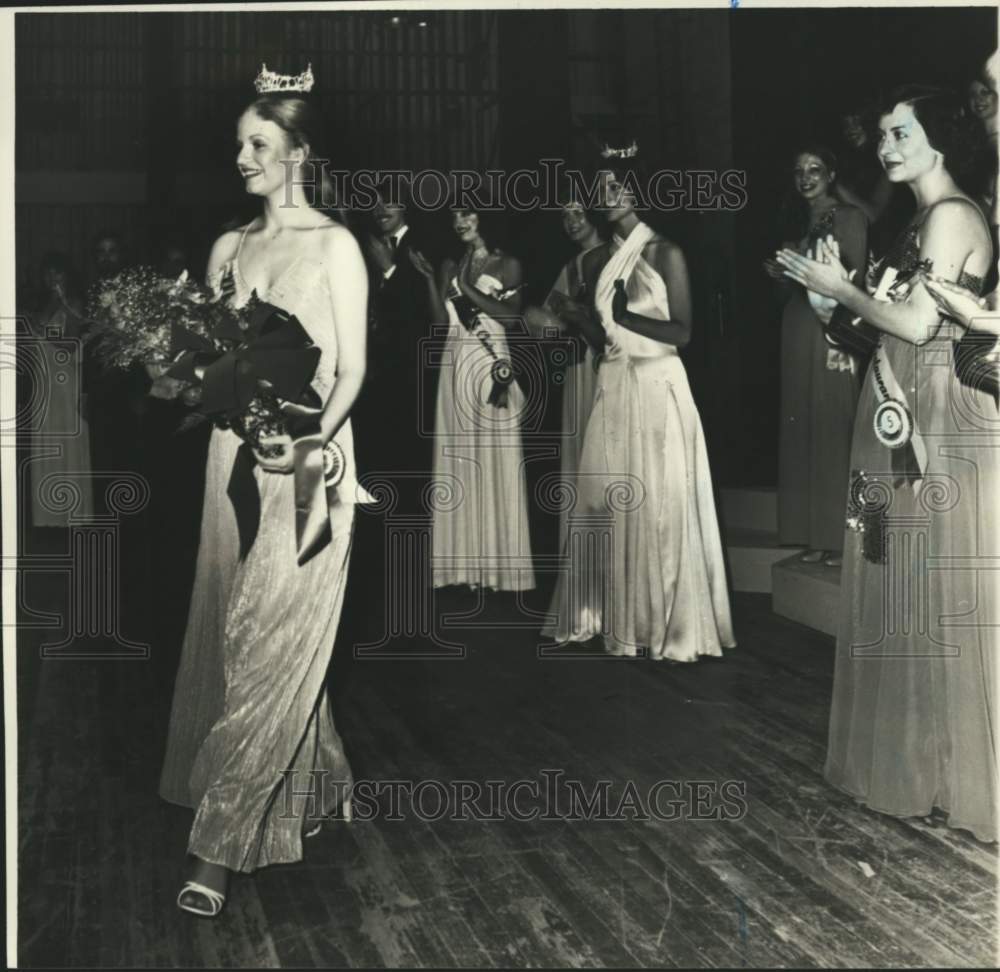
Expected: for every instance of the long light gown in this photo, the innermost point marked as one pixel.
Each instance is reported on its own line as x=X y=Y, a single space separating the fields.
x=61 y=432
x=819 y=391
x=645 y=568
x=251 y=730
x=913 y=716
x=579 y=383
x=480 y=532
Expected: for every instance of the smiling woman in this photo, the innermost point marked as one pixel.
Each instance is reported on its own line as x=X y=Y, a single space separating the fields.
x=250 y=709
x=914 y=696
x=819 y=384
x=479 y=532
x=644 y=572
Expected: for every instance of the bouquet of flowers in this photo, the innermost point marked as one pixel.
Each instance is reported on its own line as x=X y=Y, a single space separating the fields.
x=240 y=367
x=247 y=368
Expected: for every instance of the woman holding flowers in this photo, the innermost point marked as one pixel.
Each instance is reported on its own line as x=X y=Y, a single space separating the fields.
x=252 y=743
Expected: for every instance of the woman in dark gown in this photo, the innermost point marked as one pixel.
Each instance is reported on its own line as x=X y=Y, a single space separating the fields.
x=912 y=721
x=819 y=383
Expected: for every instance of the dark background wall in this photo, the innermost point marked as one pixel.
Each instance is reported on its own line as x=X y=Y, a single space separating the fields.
x=125 y=120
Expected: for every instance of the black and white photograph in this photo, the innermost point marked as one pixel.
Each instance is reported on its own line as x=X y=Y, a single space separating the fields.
x=490 y=485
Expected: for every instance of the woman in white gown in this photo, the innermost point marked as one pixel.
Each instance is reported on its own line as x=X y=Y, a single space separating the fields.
x=645 y=569
x=251 y=729
x=480 y=513
x=61 y=437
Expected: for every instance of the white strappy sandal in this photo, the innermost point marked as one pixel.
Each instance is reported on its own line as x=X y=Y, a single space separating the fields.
x=215 y=899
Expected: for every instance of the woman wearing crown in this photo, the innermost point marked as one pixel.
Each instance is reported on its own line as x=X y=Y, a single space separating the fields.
x=252 y=744
x=645 y=570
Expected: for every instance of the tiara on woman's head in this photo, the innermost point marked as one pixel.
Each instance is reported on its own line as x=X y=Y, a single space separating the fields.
x=620 y=153
x=268 y=81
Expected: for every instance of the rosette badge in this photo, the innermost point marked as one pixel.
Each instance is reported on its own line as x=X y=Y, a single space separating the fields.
x=334 y=464
x=893 y=424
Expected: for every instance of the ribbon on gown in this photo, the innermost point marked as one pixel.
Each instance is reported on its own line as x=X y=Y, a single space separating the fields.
x=314 y=492
x=893 y=391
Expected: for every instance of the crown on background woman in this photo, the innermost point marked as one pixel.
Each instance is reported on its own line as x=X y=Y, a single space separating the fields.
x=620 y=153
x=268 y=81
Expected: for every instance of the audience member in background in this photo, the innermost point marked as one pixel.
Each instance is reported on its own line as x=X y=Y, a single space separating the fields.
x=983 y=105
x=819 y=383
x=61 y=432
x=394 y=402
x=173 y=256
x=108 y=254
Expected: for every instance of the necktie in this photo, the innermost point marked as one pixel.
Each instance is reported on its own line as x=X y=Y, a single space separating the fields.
x=392 y=244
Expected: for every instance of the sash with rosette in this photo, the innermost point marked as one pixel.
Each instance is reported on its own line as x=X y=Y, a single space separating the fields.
x=273 y=360
x=893 y=421
x=501 y=371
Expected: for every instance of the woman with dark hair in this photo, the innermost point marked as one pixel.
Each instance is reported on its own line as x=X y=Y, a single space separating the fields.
x=912 y=721
x=480 y=520
x=819 y=383
x=61 y=443
x=561 y=313
x=645 y=572
x=252 y=743
x=861 y=182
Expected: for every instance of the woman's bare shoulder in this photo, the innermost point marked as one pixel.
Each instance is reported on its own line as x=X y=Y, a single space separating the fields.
x=660 y=244
x=225 y=247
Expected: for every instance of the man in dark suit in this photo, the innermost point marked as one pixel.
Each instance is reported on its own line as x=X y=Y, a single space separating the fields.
x=396 y=394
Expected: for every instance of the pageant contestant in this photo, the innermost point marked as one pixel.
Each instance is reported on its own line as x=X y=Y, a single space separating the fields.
x=480 y=521
x=913 y=716
x=565 y=304
x=251 y=715
x=819 y=383
x=644 y=467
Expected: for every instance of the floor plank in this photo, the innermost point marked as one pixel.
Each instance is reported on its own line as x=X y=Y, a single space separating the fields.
x=101 y=857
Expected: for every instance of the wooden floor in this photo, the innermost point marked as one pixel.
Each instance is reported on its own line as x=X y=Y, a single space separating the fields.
x=805 y=878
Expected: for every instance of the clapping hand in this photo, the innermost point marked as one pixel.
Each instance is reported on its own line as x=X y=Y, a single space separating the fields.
x=380 y=253
x=956 y=302
x=619 y=303
x=421 y=264
x=282 y=463
x=774 y=269
x=821 y=272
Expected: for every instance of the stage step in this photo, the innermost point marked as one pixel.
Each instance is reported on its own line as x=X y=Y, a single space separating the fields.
x=749 y=521
x=807 y=593
x=752 y=554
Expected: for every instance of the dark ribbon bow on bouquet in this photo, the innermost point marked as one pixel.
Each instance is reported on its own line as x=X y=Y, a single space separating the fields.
x=273 y=359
